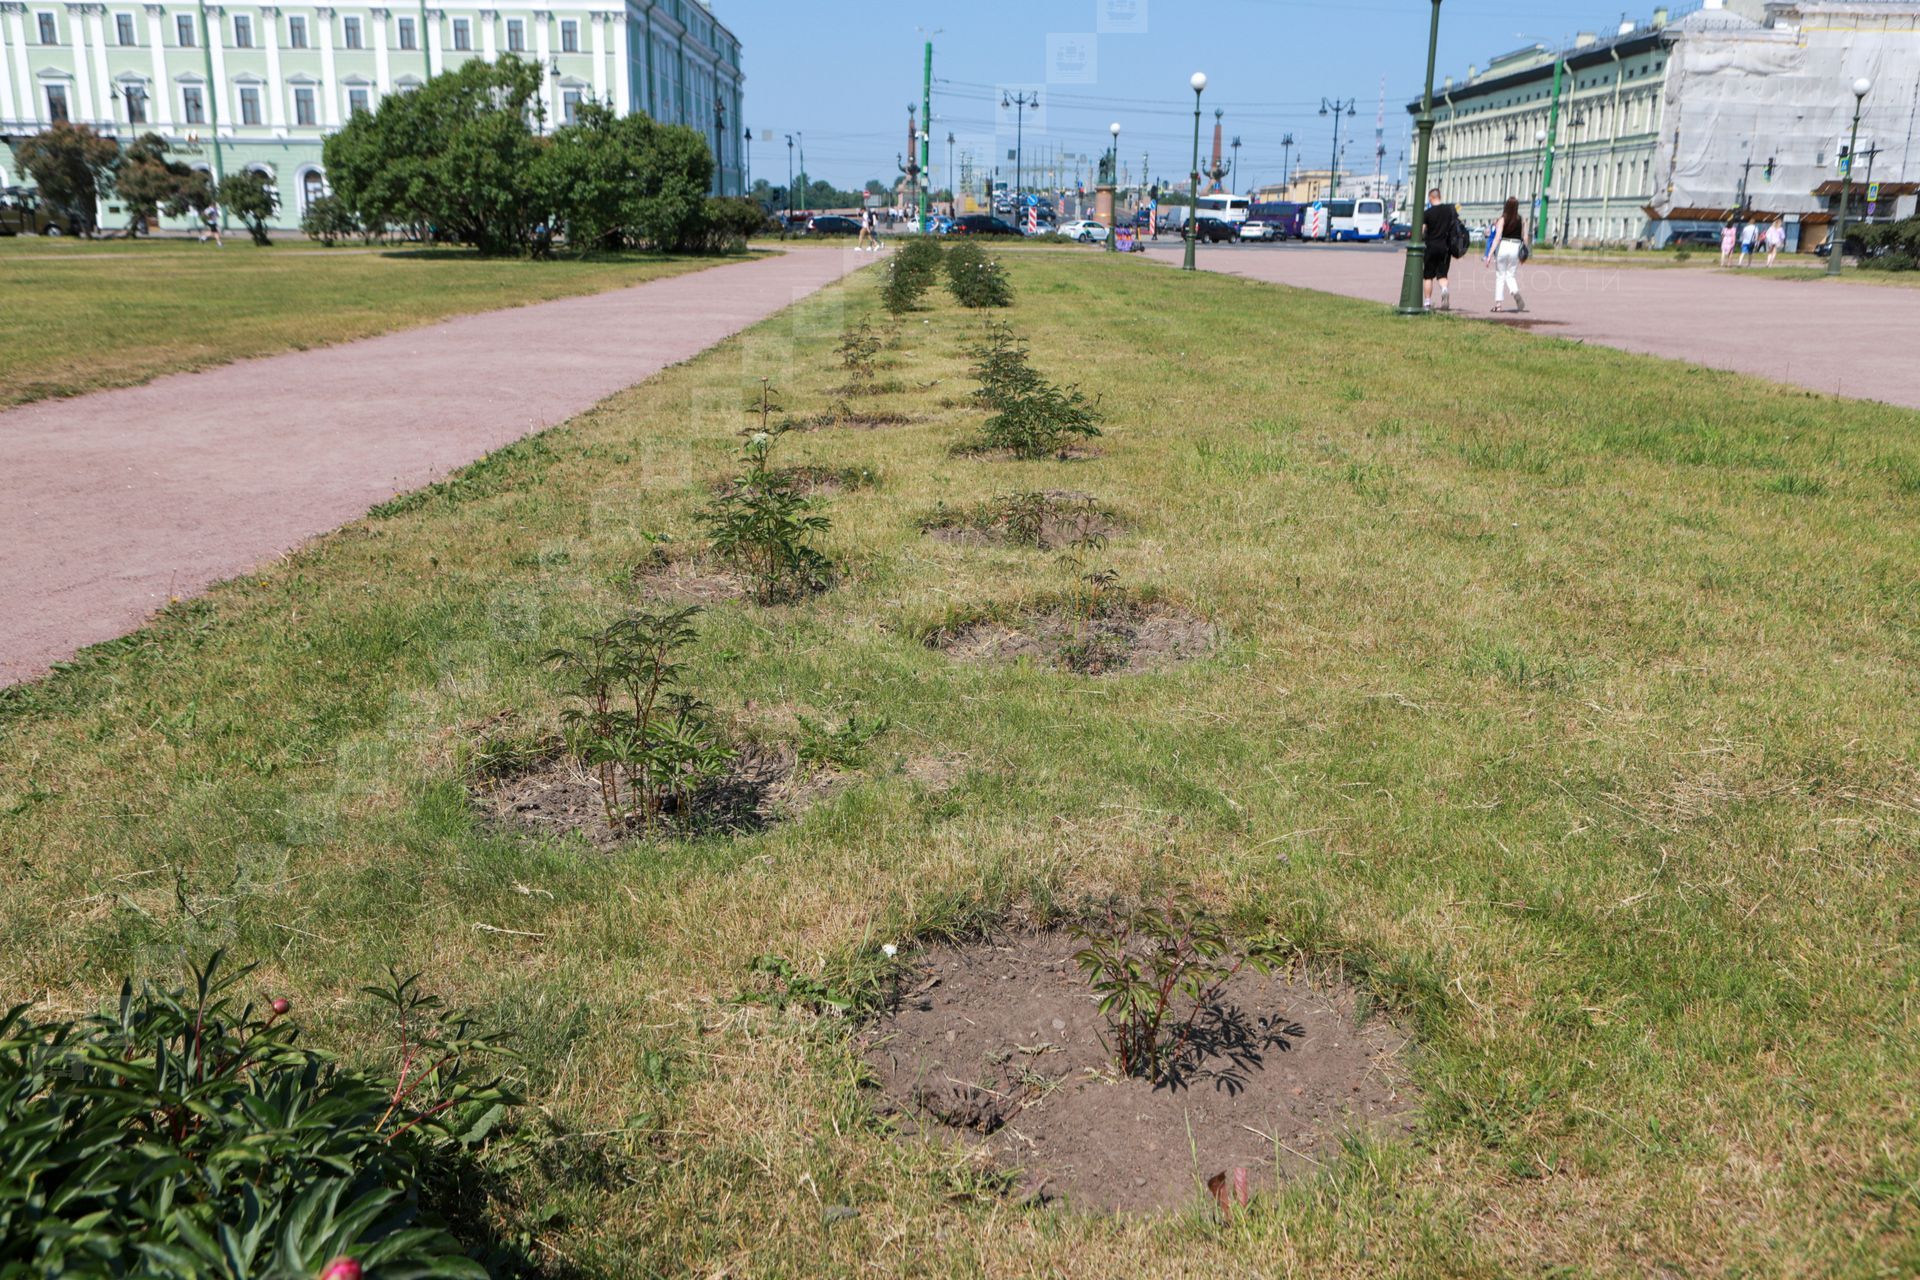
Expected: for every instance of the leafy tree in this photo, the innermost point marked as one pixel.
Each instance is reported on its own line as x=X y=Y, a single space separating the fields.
x=457 y=158
x=619 y=180
x=147 y=181
x=73 y=167
x=328 y=220
x=249 y=197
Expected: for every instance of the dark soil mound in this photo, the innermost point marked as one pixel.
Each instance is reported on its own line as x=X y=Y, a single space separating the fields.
x=1046 y=520
x=761 y=787
x=999 y=1043
x=1121 y=639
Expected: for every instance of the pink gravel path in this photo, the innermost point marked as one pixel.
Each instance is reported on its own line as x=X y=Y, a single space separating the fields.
x=1837 y=338
x=117 y=500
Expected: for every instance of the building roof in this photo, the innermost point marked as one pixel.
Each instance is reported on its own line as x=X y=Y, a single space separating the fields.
x=1496 y=77
x=1888 y=190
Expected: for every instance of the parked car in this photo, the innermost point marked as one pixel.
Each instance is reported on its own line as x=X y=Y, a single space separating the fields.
x=833 y=224
x=1854 y=249
x=981 y=224
x=1401 y=231
x=1695 y=238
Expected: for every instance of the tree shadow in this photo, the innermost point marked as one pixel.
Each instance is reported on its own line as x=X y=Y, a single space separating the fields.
x=1226 y=1048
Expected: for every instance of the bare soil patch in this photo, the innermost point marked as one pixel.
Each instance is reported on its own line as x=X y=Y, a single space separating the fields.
x=998 y=1044
x=1046 y=520
x=762 y=786
x=814 y=481
x=1124 y=638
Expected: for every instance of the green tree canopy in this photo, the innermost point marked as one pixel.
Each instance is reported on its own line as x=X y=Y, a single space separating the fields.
x=73 y=167
x=147 y=181
x=615 y=180
x=249 y=197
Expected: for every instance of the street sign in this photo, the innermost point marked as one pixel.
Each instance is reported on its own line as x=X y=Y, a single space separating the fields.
x=1873 y=192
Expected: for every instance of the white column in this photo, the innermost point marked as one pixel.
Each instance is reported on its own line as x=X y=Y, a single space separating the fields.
x=622 y=58
x=6 y=73
x=488 y=49
x=382 y=77
x=96 y=28
x=83 y=110
x=160 y=96
x=329 y=82
x=549 y=83
x=599 y=55
x=218 y=98
x=276 y=90
x=435 y=60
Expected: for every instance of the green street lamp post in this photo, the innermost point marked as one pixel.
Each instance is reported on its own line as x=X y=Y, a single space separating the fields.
x=1336 y=108
x=1113 y=173
x=1199 y=83
x=1861 y=88
x=1410 y=301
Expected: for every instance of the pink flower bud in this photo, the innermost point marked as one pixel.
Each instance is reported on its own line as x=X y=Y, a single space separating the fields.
x=341 y=1269
x=280 y=1006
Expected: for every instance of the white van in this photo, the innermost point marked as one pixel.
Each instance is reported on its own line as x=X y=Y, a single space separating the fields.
x=1231 y=209
x=1369 y=220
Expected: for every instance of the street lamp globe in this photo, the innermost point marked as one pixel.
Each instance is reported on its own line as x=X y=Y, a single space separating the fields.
x=1114 y=128
x=1199 y=81
x=1862 y=87
x=1540 y=135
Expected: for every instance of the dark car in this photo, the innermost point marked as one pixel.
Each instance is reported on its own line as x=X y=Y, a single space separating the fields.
x=1402 y=231
x=833 y=224
x=1855 y=249
x=1214 y=230
x=981 y=224
x=1692 y=237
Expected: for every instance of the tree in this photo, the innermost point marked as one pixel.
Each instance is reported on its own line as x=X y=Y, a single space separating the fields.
x=146 y=182
x=250 y=197
x=457 y=158
x=327 y=220
x=623 y=180
x=73 y=167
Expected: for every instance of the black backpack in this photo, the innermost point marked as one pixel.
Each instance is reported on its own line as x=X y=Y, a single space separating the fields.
x=1458 y=242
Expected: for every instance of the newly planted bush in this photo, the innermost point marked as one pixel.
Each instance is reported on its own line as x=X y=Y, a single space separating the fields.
x=1000 y=363
x=763 y=524
x=857 y=349
x=976 y=278
x=1042 y=520
x=1157 y=974
x=1041 y=422
x=184 y=1133
x=909 y=274
x=649 y=745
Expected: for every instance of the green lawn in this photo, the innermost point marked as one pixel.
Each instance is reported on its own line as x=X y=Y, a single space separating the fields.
x=85 y=316
x=1566 y=703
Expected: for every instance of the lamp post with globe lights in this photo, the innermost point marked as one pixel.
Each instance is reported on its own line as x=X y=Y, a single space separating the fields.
x=1861 y=88
x=1113 y=177
x=1410 y=279
x=1199 y=83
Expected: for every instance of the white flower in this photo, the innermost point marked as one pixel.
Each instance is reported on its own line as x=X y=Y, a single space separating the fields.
x=889 y=950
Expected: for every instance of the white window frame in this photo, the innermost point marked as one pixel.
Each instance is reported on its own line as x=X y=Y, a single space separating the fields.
x=406 y=35
x=126 y=33
x=297 y=31
x=185 y=36
x=569 y=35
x=135 y=91
x=353 y=34
x=188 y=93
x=516 y=35
x=65 y=90
x=463 y=35
x=240 y=30
x=362 y=91
x=240 y=95
x=570 y=100
x=312 y=103
x=44 y=21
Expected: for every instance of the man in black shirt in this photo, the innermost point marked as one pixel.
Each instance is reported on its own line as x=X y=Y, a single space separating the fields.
x=1437 y=233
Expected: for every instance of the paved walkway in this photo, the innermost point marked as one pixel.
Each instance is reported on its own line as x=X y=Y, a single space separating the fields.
x=118 y=500
x=1834 y=338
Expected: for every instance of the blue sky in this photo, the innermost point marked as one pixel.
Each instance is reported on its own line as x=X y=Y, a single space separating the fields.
x=841 y=75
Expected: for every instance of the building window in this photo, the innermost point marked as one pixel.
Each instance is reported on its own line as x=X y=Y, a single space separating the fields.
x=569 y=36
x=569 y=106
x=296 y=33
x=136 y=96
x=516 y=36
x=193 y=104
x=249 y=104
x=303 y=107
x=123 y=28
x=49 y=33
x=57 y=103
x=407 y=41
x=312 y=187
x=350 y=33
x=183 y=30
x=462 y=35
x=242 y=31
x=358 y=101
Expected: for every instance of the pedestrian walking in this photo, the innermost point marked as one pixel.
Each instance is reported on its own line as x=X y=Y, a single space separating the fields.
x=1749 y=241
x=1729 y=237
x=867 y=238
x=210 y=223
x=1776 y=239
x=1442 y=233
x=1508 y=253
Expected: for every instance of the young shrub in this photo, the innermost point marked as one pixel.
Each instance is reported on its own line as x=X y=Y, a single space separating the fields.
x=977 y=279
x=908 y=276
x=764 y=525
x=1000 y=363
x=1156 y=974
x=857 y=350
x=183 y=1133
x=1041 y=422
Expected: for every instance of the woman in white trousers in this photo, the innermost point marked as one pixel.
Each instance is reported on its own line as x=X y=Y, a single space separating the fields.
x=1506 y=256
